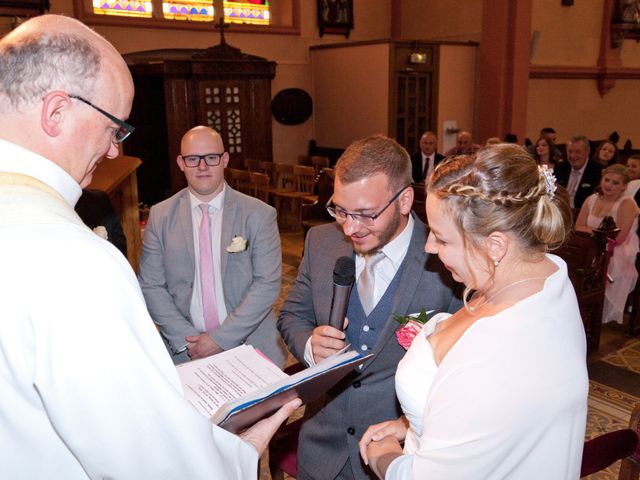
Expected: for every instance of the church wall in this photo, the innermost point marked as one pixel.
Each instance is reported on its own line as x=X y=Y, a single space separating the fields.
x=567 y=35
x=631 y=53
x=442 y=19
x=570 y=37
x=353 y=102
x=575 y=107
x=457 y=91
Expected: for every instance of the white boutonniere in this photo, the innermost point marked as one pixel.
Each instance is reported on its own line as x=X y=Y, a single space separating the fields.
x=237 y=245
x=101 y=232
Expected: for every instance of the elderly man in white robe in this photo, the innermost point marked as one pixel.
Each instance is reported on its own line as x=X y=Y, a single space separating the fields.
x=88 y=390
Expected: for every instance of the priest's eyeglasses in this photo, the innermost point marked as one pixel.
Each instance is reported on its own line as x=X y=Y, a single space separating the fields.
x=123 y=130
x=211 y=159
x=362 y=218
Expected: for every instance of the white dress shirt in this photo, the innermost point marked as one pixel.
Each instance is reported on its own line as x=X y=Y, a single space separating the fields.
x=215 y=210
x=385 y=269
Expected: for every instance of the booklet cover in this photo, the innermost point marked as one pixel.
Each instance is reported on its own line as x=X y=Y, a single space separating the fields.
x=238 y=387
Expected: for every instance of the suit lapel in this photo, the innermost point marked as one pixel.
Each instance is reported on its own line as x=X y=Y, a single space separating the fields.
x=412 y=271
x=228 y=221
x=186 y=227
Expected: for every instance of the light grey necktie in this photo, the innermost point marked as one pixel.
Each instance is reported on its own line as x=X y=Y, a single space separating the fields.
x=367 y=281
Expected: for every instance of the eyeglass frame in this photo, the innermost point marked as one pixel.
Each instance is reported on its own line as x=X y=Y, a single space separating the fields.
x=129 y=129
x=201 y=158
x=357 y=217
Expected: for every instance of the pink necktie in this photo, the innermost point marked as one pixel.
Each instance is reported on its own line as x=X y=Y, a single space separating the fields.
x=207 y=284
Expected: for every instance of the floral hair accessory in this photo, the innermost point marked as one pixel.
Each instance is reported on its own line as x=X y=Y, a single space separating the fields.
x=410 y=326
x=237 y=245
x=549 y=180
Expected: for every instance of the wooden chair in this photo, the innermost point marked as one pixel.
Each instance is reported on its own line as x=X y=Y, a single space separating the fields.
x=260 y=186
x=304 y=160
x=282 y=178
x=265 y=166
x=316 y=214
x=252 y=165
x=304 y=182
x=319 y=163
x=239 y=179
x=604 y=450
x=587 y=260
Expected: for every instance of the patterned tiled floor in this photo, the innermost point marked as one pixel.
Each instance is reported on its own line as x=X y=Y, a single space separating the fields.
x=613 y=395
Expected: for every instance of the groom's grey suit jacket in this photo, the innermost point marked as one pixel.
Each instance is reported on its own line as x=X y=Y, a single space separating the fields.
x=335 y=424
x=251 y=279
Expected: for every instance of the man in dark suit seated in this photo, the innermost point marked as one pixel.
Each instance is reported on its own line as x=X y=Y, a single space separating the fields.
x=580 y=176
x=374 y=225
x=424 y=161
x=95 y=210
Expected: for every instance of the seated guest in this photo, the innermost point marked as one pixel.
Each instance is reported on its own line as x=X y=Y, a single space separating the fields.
x=546 y=153
x=579 y=175
x=499 y=388
x=550 y=133
x=424 y=161
x=211 y=263
x=464 y=145
x=633 y=170
x=612 y=202
x=95 y=210
x=606 y=154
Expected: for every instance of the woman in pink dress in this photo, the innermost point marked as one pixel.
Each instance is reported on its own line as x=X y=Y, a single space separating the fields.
x=612 y=202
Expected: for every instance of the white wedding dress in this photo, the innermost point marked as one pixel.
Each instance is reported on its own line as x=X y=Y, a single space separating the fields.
x=509 y=400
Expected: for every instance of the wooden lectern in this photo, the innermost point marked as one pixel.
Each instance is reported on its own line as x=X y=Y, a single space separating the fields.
x=117 y=177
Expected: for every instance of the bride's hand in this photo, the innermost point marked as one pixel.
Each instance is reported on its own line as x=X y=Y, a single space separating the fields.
x=392 y=428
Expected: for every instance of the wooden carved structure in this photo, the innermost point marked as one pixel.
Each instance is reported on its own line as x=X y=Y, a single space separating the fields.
x=587 y=261
x=177 y=89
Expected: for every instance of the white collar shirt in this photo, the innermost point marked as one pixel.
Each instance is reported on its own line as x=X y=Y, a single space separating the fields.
x=16 y=159
x=215 y=210
x=386 y=269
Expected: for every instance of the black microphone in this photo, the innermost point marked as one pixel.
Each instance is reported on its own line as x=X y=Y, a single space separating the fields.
x=344 y=275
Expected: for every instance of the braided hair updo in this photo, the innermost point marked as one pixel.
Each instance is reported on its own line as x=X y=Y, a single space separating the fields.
x=501 y=189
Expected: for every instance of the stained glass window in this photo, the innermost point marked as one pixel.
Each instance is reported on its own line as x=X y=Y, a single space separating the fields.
x=192 y=10
x=255 y=12
x=123 y=8
x=248 y=12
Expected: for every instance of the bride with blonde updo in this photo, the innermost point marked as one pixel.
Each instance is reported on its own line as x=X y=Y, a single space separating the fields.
x=499 y=388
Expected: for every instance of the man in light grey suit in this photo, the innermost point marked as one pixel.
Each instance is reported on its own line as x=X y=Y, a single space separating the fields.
x=246 y=260
x=372 y=206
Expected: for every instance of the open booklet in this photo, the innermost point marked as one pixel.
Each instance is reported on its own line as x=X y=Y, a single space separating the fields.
x=238 y=387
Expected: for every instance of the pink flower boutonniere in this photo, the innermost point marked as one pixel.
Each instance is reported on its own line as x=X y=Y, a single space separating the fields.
x=410 y=326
